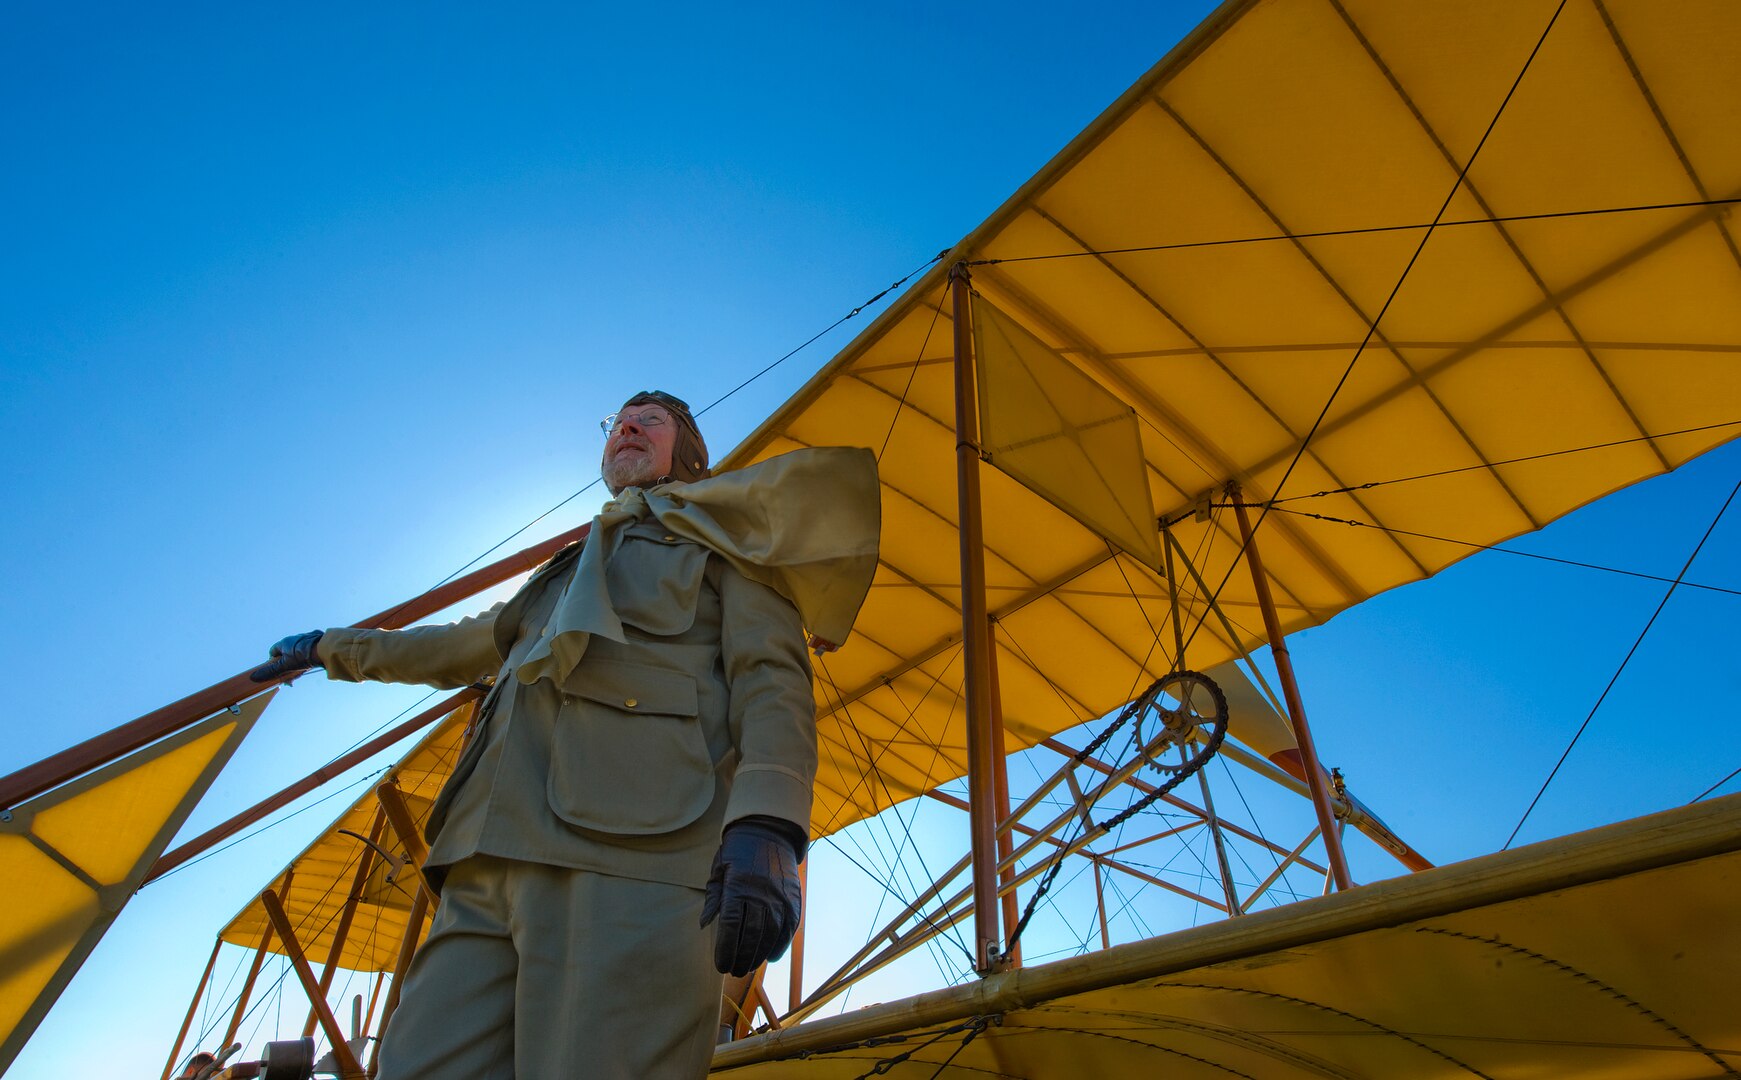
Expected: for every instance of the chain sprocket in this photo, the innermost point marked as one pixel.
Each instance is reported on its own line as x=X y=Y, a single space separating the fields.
x=1185 y=709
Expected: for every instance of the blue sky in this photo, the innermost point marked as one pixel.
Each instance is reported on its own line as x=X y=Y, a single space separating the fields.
x=301 y=311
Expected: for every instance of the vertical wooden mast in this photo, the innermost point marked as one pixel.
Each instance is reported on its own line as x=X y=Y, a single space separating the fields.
x=975 y=633
x=1278 y=648
x=198 y=992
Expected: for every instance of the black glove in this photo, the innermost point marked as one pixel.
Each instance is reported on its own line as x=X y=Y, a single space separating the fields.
x=295 y=653
x=754 y=892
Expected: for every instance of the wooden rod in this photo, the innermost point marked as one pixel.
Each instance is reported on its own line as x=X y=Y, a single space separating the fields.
x=337 y=767
x=975 y=631
x=1278 y=648
x=254 y=971
x=198 y=992
x=1001 y=803
x=101 y=749
x=374 y=996
x=349 y=1068
x=407 y=949
x=405 y=828
x=1100 y=906
x=365 y=863
x=795 y=981
x=760 y=993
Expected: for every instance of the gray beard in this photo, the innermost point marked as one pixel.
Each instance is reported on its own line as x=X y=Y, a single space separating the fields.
x=621 y=474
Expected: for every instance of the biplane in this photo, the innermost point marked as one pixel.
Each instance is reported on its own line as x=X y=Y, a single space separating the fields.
x=1338 y=293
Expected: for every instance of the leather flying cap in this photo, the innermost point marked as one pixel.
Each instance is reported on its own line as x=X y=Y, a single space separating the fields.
x=689 y=452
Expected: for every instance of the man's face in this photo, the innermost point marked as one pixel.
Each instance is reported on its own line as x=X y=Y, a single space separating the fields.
x=637 y=452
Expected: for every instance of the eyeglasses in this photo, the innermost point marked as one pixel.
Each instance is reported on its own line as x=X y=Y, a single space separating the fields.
x=614 y=421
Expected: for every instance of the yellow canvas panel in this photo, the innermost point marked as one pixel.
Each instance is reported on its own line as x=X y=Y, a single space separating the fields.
x=103 y=830
x=1688 y=64
x=72 y=857
x=1455 y=62
x=1053 y=428
x=43 y=925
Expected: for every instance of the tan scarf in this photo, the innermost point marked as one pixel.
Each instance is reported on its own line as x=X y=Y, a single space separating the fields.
x=805 y=524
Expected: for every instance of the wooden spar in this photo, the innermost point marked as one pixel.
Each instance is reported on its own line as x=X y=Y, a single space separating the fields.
x=338 y=766
x=795 y=982
x=254 y=970
x=1173 y=800
x=374 y=997
x=101 y=749
x=1001 y=801
x=1100 y=906
x=198 y=992
x=398 y=814
x=975 y=627
x=349 y=1068
x=407 y=949
x=365 y=862
x=760 y=994
x=1167 y=543
x=1278 y=648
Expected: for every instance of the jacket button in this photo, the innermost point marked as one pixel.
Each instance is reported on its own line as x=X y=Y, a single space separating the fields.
x=631 y=703
x=670 y=539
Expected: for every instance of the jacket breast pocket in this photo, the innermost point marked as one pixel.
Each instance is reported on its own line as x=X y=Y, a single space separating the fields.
x=655 y=584
x=628 y=756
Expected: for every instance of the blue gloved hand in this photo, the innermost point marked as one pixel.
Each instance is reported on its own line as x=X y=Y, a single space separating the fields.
x=295 y=653
x=754 y=893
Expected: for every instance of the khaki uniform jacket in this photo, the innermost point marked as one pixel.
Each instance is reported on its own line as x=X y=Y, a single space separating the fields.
x=650 y=746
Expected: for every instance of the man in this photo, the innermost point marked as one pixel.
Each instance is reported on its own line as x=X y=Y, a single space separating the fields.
x=643 y=766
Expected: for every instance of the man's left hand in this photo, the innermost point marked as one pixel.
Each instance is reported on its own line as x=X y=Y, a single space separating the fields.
x=754 y=893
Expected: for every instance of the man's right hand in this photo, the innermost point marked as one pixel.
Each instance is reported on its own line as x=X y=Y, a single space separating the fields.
x=295 y=653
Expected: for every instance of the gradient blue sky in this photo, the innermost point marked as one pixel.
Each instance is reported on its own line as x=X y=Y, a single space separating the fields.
x=302 y=310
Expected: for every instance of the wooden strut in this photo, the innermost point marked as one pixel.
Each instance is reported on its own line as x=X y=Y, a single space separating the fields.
x=407 y=949
x=1100 y=906
x=254 y=970
x=1001 y=806
x=198 y=992
x=1291 y=692
x=101 y=749
x=1226 y=868
x=365 y=863
x=976 y=632
x=374 y=998
x=349 y=1067
x=795 y=981
x=337 y=767
x=398 y=814
x=1291 y=771
x=1007 y=876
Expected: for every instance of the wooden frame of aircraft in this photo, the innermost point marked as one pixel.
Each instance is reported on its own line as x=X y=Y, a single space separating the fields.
x=1484 y=244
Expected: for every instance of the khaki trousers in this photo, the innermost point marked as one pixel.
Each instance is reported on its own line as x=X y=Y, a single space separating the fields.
x=545 y=973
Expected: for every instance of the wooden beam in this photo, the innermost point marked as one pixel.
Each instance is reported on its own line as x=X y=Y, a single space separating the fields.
x=198 y=992
x=349 y=1068
x=101 y=749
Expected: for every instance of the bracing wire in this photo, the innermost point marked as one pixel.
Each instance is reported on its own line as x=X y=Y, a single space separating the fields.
x=1289 y=237
x=1488 y=466
x=1714 y=787
x=906 y=824
x=274 y=823
x=1372 y=328
x=1555 y=771
x=912 y=371
x=776 y=363
x=1507 y=551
